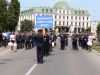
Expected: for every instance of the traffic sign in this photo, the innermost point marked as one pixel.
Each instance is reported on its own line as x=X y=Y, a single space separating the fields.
x=44 y=22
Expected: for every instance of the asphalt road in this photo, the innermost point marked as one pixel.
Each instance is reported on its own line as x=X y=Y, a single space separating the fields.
x=67 y=62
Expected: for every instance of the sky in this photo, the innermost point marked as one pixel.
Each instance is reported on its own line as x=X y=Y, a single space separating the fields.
x=93 y=6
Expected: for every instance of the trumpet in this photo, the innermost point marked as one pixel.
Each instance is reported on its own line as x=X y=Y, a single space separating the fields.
x=44 y=39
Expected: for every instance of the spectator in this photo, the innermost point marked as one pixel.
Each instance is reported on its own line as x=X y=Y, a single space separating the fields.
x=13 y=40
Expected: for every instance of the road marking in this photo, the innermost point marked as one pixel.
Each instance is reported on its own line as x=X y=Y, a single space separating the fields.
x=31 y=69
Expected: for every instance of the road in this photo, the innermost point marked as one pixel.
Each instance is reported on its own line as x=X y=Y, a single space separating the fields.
x=67 y=62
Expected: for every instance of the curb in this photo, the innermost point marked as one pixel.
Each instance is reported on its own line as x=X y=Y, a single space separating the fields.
x=96 y=52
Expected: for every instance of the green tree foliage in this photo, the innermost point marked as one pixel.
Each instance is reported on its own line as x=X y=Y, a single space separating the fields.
x=3 y=15
x=9 y=14
x=26 y=25
x=1 y=29
x=98 y=27
x=88 y=29
x=98 y=32
x=13 y=14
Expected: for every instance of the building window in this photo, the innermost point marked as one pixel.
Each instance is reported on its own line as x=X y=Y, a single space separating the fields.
x=83 y=24
x=59 y=22
x=59 y=16
x=42 y=10
x=55 y=22
x=75 y=12
x=79 y=18
x=79 y=24
x=87 y=18
x=79 y=12
x=83 y=12
x=67 y=12
x=59 y=11
x=87 y=25
x=83 y=18
x=75 y=24
x=67 y=17
x=75 y=30
x=63 y=17
x=67 y=23
x=63 y=23
x=55 y=16
x=63 y=11
x=71 y=17
x=51 y=10
x=71 y=23
x=42 y=14
x=79 y=30
x=47 y=10
x=83 y=30
x=75 y=17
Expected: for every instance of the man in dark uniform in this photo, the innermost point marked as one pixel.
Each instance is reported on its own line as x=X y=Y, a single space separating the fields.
x=33 y=39
x=66 y=39
x=80 y=40
x=27 y=41
x=30 y=40
x=18 y=41
x=46 y=44
x=22 y=37
x=74 y=42
x=85 y=40
x=62 y=41
x=4 y=41
x=39 y=45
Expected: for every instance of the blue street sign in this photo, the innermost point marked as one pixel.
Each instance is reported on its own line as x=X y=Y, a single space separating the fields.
x=44 y=22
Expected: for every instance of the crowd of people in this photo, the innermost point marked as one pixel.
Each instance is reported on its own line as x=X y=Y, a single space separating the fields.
x=43 y=42
x=4 y=38
x=28 y=40
x=84 y=40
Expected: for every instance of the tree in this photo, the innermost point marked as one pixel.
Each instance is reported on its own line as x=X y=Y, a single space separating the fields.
x=13 y=14
x=98 y=27
x=26 y=25
x=88 y=29
x=1 y=29
x=3 y=15
x=98 y=32
x=33 y=24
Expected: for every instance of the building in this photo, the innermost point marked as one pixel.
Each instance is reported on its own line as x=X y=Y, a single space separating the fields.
x=94 y=25
x=66 y=18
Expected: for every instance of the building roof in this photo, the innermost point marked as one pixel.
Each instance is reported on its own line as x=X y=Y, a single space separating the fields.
x=40 y=10
x=79 y=12
x=61 y=5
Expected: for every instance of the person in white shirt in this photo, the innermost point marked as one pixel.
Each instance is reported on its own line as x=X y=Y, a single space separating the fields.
x=90 y=42
x=12 y=40
x=4 y=34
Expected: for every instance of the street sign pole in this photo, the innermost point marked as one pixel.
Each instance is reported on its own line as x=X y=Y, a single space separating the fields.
x=43 y=31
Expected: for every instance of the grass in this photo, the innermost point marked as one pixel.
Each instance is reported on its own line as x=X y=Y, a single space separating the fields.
x=96 y=47
x=98 y=51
